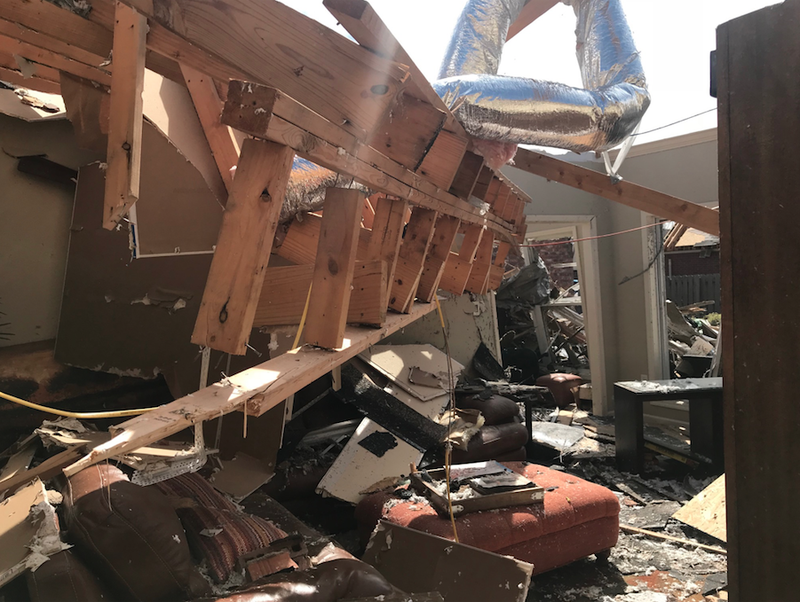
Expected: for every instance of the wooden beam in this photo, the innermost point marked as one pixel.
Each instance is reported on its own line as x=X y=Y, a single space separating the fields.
x=256 y=110
x=52 y=59
x=459 y=265
x=443 y=238
x=532 y=10
x=37 y=71
x=387 y=235
x=411 y=260
x=300 y=243
x=441 y=163
x=271 y=42
x=626 y=193
x=258 y=389
x=248 y=227
x=124 y=156
x=334 y=267
x=478 y=280
x=46 y=42
x=208 y=105
x=32 y=83
x=285 y=290
x=467 y=175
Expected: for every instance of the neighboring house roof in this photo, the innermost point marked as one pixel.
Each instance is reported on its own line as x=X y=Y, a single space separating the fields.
x=696 y=239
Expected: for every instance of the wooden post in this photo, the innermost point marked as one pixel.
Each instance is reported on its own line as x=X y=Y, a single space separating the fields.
x=411 y=262
x=242 y=253
x=334 y=267
x=387 y=234
x=459 y=265
x=445 y=234
x=124 y=157
x=220 y=137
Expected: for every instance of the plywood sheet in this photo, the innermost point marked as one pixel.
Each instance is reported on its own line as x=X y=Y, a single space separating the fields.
x=394 y=362
x=706 y=512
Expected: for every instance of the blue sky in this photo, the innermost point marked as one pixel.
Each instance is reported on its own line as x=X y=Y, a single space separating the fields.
x=674 y=38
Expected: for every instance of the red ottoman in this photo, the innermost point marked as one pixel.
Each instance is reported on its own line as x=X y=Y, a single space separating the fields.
x=577 y=519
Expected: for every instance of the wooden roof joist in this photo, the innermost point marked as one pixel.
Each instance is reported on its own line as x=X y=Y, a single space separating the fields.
x=626 y=193
x=258 y=389
x=267 y=113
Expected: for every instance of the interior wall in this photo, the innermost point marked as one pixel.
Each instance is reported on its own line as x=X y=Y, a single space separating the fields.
x=35 y=216
x=689 y=172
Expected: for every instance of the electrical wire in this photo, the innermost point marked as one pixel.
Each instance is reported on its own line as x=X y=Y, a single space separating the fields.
x=674 y=122
x=79 y=415
x=303 y=318
x=448 y=448
x=572 y=240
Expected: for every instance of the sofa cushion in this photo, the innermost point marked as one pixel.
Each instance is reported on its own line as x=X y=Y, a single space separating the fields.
x=130 y=535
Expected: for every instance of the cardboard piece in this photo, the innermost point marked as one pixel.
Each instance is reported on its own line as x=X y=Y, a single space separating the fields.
x=417 y=562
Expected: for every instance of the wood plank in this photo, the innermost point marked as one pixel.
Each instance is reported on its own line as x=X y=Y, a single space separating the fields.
x=51 y=59
x=248 y=227
x=483 y=182
x=44 y=471
x=443 y=238
x=368 y=29
x=338 y=79
x=467 y=175
x=479 y=275
x=498 y=265
x=259 y=388
x=300 y=243
x=285 y=290
x=334 y=267
x=42 y=72
x=459 y=265
x=532 y=10
x=441 y=163
x=124 y=155
x=387 y=234
x=411 y=260
x=408 y=132
x=32 y=83
x=626 y=193
x=208 y=105
x=367 y=166
x=368 y=211
x=706 y=511
x=35 y=38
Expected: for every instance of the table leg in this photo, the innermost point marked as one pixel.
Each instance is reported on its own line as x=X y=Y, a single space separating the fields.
x=706 y=428
x=628 y=431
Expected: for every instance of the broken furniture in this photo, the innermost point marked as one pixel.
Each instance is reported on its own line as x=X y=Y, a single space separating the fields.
x=705 y=417
x=576 y=519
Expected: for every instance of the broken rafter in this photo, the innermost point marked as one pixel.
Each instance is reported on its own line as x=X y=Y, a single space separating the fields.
x=261 y=388
x=626 y=193
x=532 y=10
x=124 y=156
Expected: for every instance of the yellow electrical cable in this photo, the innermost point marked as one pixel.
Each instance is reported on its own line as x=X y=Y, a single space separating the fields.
x=303 y=318
x=448 y=448
x=80 y=415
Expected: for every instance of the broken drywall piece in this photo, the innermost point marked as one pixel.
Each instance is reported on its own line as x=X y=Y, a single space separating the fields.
x=241 y=476
x=396 y=362
x=358 y=467
x=557 y=436
x=416 y=562
x=29 y=531
x=706 y=511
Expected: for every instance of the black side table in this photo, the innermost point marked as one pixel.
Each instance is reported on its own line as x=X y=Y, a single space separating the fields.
x=705 y=417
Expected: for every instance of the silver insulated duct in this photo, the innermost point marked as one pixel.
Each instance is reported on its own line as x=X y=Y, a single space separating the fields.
x=514 y=110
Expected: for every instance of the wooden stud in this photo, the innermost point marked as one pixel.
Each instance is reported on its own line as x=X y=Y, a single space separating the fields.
x=208 y=105
x=498 y=266
x=248 y=227
x=443 y=160
x=443 y=238
x=482 y=184
x=124 y=156
x=334 y=267
x=285 y=290
x=387 y=234
x=459 y=265
x=626 y=193
x=300 y=243
x=467 y=175
x=411 y=261
x=368 y=211
x=479 y=274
